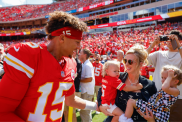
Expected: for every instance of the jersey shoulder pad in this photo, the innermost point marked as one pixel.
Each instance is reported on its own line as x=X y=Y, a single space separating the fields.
x=28 y=48
x=23 y=57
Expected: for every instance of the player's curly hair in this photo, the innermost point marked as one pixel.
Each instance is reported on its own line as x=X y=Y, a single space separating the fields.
x=60 y=19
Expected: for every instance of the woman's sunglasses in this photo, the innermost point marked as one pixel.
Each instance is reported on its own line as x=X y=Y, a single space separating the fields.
x=130 y=62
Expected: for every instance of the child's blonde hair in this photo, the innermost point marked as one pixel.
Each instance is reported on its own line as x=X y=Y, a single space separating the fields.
x=177 y=72
x=107 y=64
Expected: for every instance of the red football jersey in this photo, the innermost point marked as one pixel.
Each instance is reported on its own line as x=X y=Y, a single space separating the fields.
x=35 y=84
x=109 y=89
x=98 y=73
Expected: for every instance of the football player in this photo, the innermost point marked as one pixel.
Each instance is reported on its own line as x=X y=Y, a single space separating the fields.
x=38 y=79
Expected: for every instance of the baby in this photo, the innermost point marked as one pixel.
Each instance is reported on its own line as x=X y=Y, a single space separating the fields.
x=110 y=84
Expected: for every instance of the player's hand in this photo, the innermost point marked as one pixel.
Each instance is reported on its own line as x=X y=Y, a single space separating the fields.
x=97 y=109
x=103 y=109
x=148 y=116
x=156 y=41
x=139 y=86
x=171 y=73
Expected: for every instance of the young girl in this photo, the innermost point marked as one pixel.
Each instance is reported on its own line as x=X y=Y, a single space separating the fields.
x=160 y=102
x=110 y=83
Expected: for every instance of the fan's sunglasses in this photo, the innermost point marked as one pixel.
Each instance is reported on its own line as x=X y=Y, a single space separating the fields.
x=130 y=62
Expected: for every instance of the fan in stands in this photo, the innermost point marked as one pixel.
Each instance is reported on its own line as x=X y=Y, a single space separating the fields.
x=104 y=43
x=34 y=11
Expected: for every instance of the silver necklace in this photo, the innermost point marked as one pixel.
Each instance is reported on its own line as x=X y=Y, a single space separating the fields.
x=132 y=84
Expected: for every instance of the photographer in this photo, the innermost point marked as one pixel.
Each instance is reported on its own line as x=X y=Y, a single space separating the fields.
x=171 y=57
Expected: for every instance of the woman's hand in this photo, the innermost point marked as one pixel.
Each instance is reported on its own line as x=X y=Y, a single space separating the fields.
x=103 y=109
x=148 y=117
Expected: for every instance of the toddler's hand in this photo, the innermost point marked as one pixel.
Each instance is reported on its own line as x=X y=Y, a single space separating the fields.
x=171 y=73
x=139 y=86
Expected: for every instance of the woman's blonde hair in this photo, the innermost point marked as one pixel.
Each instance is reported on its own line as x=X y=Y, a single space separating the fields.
x=107 y=64
x=139 y=51
x=177 y=72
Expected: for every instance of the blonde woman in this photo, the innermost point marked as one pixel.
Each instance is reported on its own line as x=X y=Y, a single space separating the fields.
x=134 y=59
x=110 y=84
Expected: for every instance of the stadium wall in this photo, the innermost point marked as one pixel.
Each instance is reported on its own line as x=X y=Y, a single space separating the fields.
x=147 y=6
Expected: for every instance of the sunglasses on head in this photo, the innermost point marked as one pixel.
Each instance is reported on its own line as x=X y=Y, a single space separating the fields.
x=130 y=62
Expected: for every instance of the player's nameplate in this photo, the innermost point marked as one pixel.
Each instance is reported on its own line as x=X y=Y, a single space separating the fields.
x=62 y=73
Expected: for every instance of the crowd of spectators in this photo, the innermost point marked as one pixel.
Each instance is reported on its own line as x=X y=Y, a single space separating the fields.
x=39 y=41
x=108 y=43
x=33 y=11
x=16 y=30
x=16 y=12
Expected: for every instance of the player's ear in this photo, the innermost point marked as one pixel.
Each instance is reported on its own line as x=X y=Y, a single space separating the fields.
x=61 y=38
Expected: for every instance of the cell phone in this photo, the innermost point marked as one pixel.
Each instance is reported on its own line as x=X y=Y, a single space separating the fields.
x=174 y=44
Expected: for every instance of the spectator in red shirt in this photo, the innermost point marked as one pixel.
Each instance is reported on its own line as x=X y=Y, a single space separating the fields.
x=113 y=48
x=104 y=50
x=98 y=74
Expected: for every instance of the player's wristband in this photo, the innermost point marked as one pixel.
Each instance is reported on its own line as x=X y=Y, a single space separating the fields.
x=90 y=105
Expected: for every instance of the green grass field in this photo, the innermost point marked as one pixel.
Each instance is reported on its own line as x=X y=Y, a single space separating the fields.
x=95 y=117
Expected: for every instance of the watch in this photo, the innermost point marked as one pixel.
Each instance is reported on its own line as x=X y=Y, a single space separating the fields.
x=179 y=48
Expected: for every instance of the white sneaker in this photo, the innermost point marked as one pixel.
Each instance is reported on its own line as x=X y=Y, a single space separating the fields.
x=97 y=112
x=122 y=118
x=129 y=120
x=78 y=109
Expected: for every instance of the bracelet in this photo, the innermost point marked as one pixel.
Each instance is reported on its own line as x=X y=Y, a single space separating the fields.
x=90 y=105
x=179 y=48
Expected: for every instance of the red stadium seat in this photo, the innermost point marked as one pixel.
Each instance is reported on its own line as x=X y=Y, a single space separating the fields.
x=33 y=11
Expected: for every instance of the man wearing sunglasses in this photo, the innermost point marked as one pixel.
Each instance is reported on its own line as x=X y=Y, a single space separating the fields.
x=171 y=57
